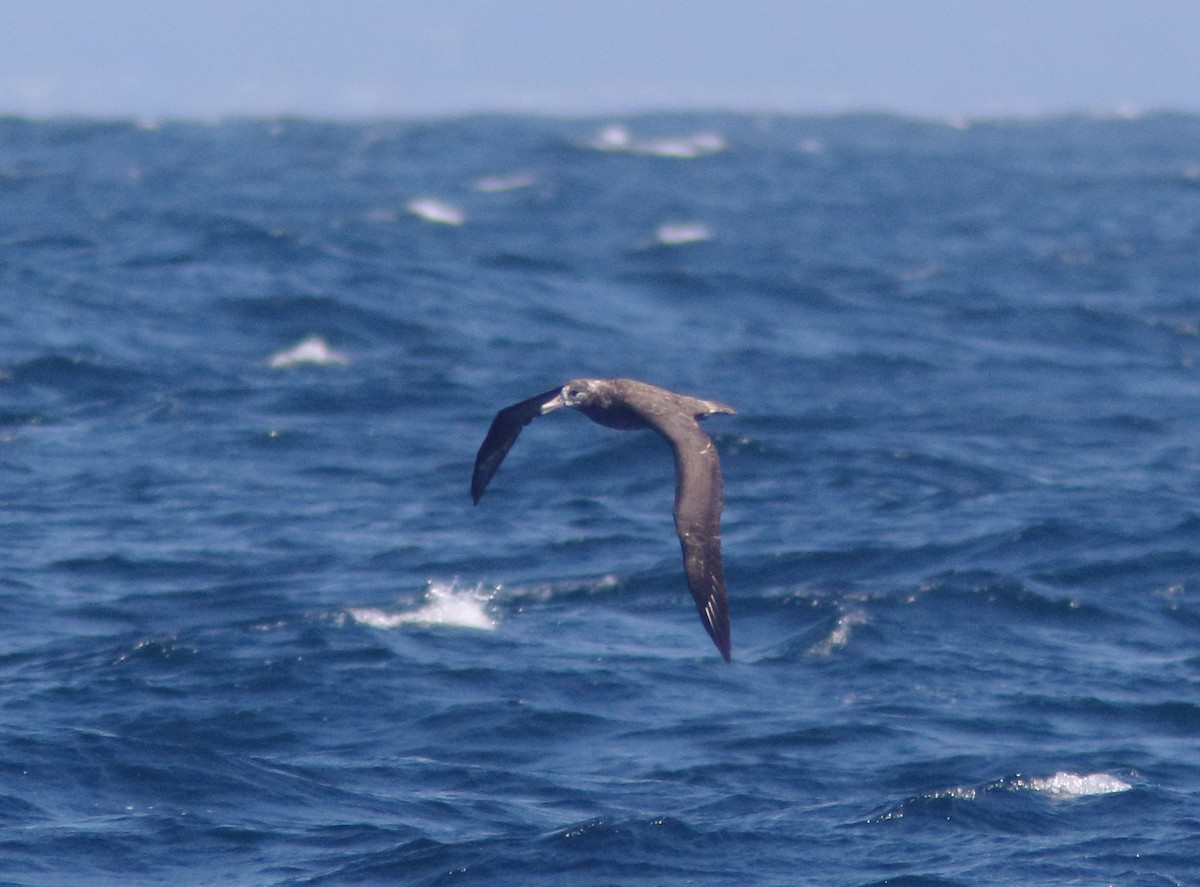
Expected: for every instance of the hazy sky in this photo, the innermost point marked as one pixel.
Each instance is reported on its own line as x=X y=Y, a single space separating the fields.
x=353 y=58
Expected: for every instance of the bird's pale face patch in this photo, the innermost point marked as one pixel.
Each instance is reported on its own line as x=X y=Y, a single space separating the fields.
x=575 y=392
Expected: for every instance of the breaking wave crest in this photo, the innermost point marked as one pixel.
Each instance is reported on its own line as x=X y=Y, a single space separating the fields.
x=444 y=604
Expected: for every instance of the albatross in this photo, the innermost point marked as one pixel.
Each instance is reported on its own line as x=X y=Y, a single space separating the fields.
x=628 y=404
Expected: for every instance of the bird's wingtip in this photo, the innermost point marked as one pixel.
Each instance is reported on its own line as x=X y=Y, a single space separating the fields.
x=716 y=408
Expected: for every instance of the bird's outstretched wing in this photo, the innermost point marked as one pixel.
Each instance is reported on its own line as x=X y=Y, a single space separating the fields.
x=505 y=430
x=699 y=496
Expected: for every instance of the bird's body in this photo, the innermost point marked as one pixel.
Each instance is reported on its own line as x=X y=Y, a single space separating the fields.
x=628 y=404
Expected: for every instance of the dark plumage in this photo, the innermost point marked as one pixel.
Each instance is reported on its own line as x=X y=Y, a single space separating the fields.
x=629 y=404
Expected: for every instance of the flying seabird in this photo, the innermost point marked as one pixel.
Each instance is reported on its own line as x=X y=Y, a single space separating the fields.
x=628 y=404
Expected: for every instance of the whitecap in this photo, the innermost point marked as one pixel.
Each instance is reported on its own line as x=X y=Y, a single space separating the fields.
x=312 y=350
x=1072 y=785
x=840 y=635
x=1061 y=786
x=616 y=137
x=682 y=147
x=432 y=210
x=612 y=138
x=498 y=184
x=444 y=605
x=678 y=233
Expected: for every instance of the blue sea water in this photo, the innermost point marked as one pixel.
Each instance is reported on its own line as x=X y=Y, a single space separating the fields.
x=253 y=631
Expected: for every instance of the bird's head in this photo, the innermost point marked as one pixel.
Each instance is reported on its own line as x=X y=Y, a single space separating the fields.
x=573 y=394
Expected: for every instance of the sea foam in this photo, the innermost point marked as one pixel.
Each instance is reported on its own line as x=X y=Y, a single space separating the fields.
x=617 y=138
x=438 y=211
x=1072 y=785
x=312 y=350
x=444 y=604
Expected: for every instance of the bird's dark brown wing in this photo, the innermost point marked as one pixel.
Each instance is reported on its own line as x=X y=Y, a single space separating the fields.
x=699 y=496
x=505 y=430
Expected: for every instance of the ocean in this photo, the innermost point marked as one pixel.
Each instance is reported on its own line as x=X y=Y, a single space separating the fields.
x=253 y=631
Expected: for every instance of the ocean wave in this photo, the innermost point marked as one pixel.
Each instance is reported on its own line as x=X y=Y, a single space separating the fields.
x=443 y=605
x=311 y=350
x=74 y=377
x=680 y=233
x=341 y=317
x=1067 y=786
x=496 y=184
x=1059 y=786
x=960 y=514
x=617 y=138
x=840 y=635
x=433 y=210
